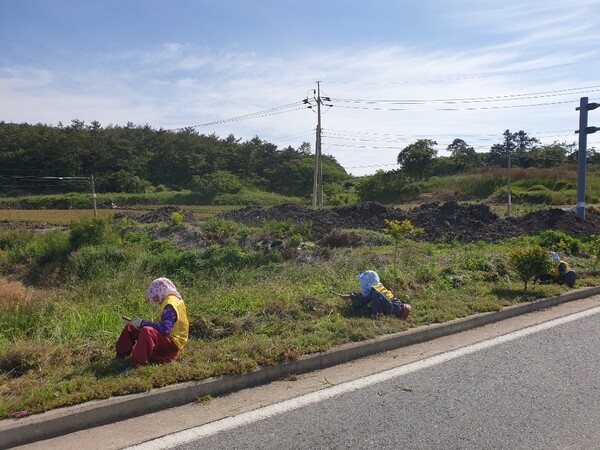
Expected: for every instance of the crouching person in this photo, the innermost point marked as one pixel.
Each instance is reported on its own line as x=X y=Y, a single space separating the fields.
x=160 y=341
x=561 y=273
x=375 y=299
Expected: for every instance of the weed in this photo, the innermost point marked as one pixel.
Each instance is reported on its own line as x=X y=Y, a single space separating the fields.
x=341 y=238
x=23 y=357
x=246 y=306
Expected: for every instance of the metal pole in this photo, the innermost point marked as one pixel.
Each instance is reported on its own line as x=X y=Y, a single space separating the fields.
x=94 y=196
x=509 y=200
x=581 y=157
x=316 y=171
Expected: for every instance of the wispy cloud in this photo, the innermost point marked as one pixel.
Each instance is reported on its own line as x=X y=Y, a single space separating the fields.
x=492 y=49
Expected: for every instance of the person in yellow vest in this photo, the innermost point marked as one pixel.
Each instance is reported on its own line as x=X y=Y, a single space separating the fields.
x=561 y=273
x=374 y=298
x=160 y=341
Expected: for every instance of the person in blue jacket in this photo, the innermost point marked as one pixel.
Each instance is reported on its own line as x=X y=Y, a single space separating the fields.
x=561 y=273
x=374 y=298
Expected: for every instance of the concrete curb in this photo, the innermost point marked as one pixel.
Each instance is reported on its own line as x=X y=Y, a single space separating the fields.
x=15 y=432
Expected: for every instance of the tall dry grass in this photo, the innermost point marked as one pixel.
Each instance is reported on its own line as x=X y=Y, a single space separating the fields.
x=13 y=295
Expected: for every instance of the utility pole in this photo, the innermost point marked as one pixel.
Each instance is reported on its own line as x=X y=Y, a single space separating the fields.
x=583 y=131
x=318 y=175
x=94 y=196
x=508 y=145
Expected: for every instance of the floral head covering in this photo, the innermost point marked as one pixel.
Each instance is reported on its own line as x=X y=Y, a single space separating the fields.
x=367 y=280
x=554 y=257
x=159 y=289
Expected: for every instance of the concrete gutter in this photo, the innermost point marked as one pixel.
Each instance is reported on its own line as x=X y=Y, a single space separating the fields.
x=15 y=432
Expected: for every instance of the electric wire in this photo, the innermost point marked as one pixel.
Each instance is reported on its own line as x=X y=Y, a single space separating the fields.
x=495 y=98
x=294 y=106
x=455 y=109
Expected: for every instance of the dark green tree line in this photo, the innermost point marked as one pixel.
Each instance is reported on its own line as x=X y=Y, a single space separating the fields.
x=137 y=158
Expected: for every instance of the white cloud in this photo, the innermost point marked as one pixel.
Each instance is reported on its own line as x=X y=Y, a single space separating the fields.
x=508 y=49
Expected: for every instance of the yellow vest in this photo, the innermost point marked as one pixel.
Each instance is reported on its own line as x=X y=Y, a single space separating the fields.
x=381 y=288
x=556 y=273
x=179 y=333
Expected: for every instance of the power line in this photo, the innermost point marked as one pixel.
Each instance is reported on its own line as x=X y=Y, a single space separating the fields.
x=290 y=107
x=496 y=98
x=455 y=109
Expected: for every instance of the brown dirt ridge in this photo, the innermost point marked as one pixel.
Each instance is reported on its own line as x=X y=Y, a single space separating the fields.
x=449 y=221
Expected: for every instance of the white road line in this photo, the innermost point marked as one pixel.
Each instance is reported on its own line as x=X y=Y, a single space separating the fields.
x=229 y=423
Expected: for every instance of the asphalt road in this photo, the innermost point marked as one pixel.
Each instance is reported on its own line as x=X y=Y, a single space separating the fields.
x=534 y=391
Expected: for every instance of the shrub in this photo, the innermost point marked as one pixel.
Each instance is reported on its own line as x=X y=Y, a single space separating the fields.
x=593 y=247
x=218 y=228
x=91 y=232
x=558 y=241
x=544 y=196
x=341 y=238
x=176 y=219
x=530 y=262
x=295 y=240
x=399 y=231
x=236 y=259
x=25 y=247
x=94 y=261
x=121 y=181
x=182 y=266
x=481 y=186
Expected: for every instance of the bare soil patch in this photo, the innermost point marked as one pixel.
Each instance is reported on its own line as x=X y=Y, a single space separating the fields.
x=448 y=221
x=441 y=221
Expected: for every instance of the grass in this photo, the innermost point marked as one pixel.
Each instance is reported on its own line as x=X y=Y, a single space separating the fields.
x=66 y=216
x=60 y=306
x=57 y=339
x=50 y=216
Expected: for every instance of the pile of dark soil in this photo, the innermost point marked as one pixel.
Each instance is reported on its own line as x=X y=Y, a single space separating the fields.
x=447 y=221
x=440 y=221
x=158 y=215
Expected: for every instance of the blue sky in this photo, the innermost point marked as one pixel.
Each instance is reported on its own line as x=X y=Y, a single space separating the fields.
x=396 y=71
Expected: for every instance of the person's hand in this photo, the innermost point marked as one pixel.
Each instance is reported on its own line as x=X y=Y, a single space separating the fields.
x=136 y=322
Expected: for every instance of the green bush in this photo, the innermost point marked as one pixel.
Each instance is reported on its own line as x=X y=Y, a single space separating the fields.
x=94 y=261
x=235 y=258
x=544 y=196
x=593 y=246
x=529 y=262
x=91 y=232
x=559 y=241
x=481 y=186
x=20 y=246
x=121 y=181
x=180 y=266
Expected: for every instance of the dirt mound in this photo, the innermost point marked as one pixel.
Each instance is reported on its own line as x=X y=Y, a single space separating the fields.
x=158 y=215
x=440 y=221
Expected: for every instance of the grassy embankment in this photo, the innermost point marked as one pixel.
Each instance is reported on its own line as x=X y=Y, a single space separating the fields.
x=62 y=293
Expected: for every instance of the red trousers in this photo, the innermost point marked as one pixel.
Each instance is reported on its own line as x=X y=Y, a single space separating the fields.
x=145 y=345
